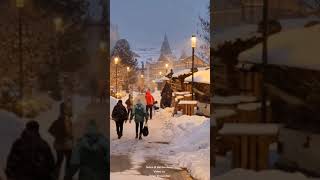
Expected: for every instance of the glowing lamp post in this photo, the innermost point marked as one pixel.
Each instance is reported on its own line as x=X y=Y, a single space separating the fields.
x=193 y=45
x=116 y=62
x=167 y=65
x=20 y=5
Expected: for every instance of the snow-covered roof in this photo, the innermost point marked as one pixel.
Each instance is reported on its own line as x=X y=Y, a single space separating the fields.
x=229 y=34
x=188 y=102
x=232 y=99
x=249 y=129
x=186 y=71
x=159 y=80
x=245 y=31
x=202 y=76
x=295 y=23
x=295 y=48
x=222 y=113
x=251 y=106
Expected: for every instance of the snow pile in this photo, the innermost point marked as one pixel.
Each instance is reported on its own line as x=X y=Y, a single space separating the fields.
x=262 y=175
x=190 y=145
x=295 y=48
x=11 y=127
x=202 y=76
x=113 y=102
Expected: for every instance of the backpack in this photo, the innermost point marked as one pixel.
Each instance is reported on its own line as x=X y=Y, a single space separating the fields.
x=140 y=111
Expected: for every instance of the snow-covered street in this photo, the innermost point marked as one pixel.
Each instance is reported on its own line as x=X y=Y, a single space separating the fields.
x=173 y=143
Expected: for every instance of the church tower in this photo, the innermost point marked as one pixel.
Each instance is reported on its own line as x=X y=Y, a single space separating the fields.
x=165 y=51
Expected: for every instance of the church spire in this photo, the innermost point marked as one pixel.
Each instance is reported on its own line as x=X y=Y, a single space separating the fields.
x=165 y=47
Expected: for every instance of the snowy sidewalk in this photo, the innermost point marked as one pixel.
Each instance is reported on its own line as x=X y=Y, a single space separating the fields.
x=174 y=143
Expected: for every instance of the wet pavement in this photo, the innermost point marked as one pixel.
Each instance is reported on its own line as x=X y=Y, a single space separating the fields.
x=154 y=167
x=120 y=163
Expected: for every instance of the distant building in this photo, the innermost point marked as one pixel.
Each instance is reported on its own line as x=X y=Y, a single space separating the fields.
x=159 y=68
x=186 y=63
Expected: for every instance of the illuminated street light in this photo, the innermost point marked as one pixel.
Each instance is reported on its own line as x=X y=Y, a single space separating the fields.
x=193 y=45
x=116 y=62
x=20 y=5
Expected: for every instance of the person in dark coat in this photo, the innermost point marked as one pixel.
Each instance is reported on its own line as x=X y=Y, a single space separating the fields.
x=129 y=103
x=61 y=130
x=90 y=156
x=166 y=96
x=119 y=115
x=30 y=157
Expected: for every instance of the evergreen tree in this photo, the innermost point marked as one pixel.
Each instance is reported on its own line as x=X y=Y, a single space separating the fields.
x=123 y=51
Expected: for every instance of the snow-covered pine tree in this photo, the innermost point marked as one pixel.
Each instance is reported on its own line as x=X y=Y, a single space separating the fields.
x=123 y=51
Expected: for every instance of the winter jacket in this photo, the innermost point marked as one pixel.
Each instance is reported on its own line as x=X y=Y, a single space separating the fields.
x=30 y=158
x=61 y=130
x=129 y=103
x=91 y=157
x=166 y=96
x=119 y=113
x=149 y=98
x=139 y=113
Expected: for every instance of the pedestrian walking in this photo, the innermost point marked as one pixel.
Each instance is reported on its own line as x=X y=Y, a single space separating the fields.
x=150 y=102
x=61 y=130
x=140 y=115
x=30 y=157
x=90 y=156
x=166 y=96
x=119 y=115
x=129 y=103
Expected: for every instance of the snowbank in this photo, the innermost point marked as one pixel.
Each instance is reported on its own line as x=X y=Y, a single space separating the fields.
x=262 y=175
x=294 y=48
x=190 y=145
x=202 y=76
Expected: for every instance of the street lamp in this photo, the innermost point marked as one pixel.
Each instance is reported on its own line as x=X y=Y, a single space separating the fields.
x=58 y=26
x=193 y=45
x=167 y=65
x=264 y=60
x=20 y=5
x=128 y=70
x=116 y=62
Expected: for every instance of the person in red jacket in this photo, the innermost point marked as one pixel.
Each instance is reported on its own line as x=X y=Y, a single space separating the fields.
x=150 y=102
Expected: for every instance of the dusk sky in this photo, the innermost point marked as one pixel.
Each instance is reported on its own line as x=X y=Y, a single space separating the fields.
x=144 y=22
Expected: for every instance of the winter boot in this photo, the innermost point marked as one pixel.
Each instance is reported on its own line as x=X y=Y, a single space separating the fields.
x=140 y=137
x=136 y=135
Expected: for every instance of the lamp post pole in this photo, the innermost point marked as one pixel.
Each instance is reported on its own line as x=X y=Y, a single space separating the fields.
x=20 y=5
x=116 y=61
x=193 y=45
x=264 y=61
